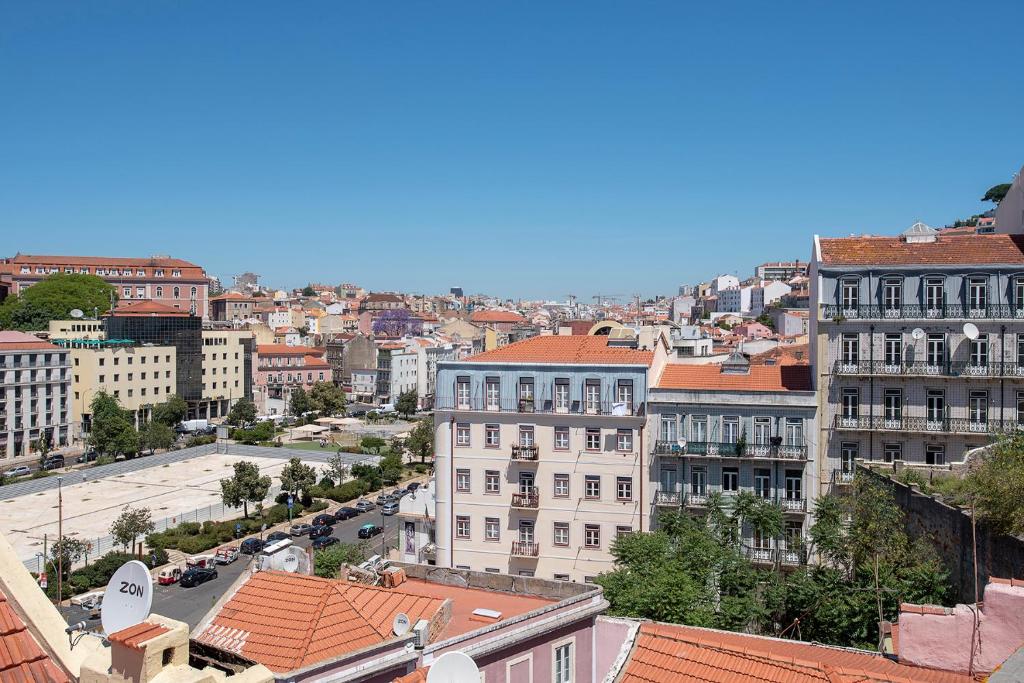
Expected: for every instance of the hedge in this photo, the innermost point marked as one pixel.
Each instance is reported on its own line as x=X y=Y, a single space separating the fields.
x=98 y=573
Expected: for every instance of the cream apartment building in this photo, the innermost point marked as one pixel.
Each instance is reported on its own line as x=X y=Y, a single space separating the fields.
x=34 y=386
x=540 y=455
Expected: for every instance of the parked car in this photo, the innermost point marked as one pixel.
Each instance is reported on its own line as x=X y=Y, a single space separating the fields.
x=226 y=555
x=324 y=541
x=412 y=486
x=320 y=531
x=323 y=520
x=275 y=536
x=357 y=413
x=389 y=508
x=197 y=575
x=383 y=498
x=369 y=530
x=300 y=529
x=201 y=561
x=398 y=493
x=168 y=575
x=365 y=505
x=88 y=456
x=251 y=546
x=18 y=472
x=345 y=513
x=54 y=462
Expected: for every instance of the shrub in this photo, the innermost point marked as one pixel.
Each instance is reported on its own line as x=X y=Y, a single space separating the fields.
x=420 y=468
x=188 y=529
x=196 y=544
x=317 y=506
x=326 y=483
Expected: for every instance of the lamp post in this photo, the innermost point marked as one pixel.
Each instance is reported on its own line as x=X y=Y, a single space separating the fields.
x=60 y=540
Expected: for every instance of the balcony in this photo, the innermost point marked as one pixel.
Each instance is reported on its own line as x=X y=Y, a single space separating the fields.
x=668 y=498
x=525 y=549
x=843 y=477
x=919 y=312
x=924 y=369
x=793 y=504
x=696 y=500
x=525 y=453
x=722 y=449
x=528 y=499
x=767 y=557
x=542 y=406
x=945 y=425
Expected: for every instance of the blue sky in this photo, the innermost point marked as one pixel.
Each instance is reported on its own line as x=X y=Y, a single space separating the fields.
x=522 y=149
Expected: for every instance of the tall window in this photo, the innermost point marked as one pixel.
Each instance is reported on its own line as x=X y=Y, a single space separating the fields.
x=892 y=297
x=699 y=428
x=526 y=393
x=623 y=488
x=934 y=297
x=892 y=406
x=462 y=526
x=979 y=352
x=561 y=533
x=177 y=292
x=561 y=488
x=850 y=349
x=462 y=394
x=493 y=394
x=850 y=403
x=492 y=436
x=762 y=430
x=848 y=453
x=593 y=440
x=462 y=435
x=563 y=663
x=893 y=350
x=977 y=405
x=593 y=396
x=849 y=295
x=699 y=481
x=492 y=481
x=624 y=394
x=730 y=480
x=525 y=435
x=977 y=296
x=561 y=396
x=794 y=485
x=730 y=429
x=669 y=425
x=592 y=535
x=592 y=486
x=492 y=529
x=624 y=440
x=936 y=351
x=794 y=431
x=561 y=438
x=935 y=407
x=763 y=483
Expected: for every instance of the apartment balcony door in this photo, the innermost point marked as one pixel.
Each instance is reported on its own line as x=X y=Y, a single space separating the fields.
x=699 y=481
x=935 y=353
x=892 y=297
x=730 y=429
x=762 y=430
x=848 y=452
x=526 y=534
x=935 y=408
x=669 y=425
x=526 y=482
x=977 y=298
x=699 y=428
x=669 y=478
x=794 y=431
x=762 y=483
x=561 y=397
x=593 y=397
x=794 y=486
x=934 y=298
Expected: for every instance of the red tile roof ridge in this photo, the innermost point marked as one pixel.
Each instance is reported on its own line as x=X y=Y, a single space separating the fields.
x=135 y=636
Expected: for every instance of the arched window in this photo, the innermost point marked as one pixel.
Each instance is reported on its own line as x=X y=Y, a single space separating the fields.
x=194 y=292
x=177 y=292
x=159 y=292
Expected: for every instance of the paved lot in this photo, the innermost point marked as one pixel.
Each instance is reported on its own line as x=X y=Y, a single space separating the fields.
x=191 y=604
x=168 y=486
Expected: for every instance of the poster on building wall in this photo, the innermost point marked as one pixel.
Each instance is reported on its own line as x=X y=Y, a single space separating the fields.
x=410 y=538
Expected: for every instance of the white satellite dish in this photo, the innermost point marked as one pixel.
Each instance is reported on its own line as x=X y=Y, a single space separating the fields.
x=971 y=331
x=917 y=333
x=401 y=625
x=128 y=597
x=76 y=313
x=453 y=667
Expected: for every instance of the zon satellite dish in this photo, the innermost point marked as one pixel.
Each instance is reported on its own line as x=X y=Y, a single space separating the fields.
x=401 y=625
x=971 y=331
x=76 y=313
x=917 y=333
x=453 y=667
x=128 y=597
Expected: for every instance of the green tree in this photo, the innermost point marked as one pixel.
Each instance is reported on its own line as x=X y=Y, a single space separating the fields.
x=261 y=431
x=996 y=486
x=308 y=291
x=329 y=560
x=246 y=486
x=372 y=444
x=421 y=439
x=112 y=430
x=243 y=412
x=337 y=469
x=391 y=468
x=130 y=525
x=66 y=552
x=53 y=298
x=170 y=412
x=996 y=193
x=43 y=447
x=299 y=403
x=297 y=477
x=407 y=402
x=326 y=398
x=154 y=435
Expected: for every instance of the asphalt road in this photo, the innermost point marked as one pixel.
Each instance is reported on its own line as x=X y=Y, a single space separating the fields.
x=191 y=604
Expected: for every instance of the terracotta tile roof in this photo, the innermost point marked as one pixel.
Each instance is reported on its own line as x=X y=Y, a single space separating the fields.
x=135 y=636
x=947 y=249
x=667 y=653
x=496 y=316
x=11 y=340
x=21 y=658
x=147 y=307
x=290 y=621
x=760 y=378
x=565 y=350
x=285 y=350
x=417 y=676
x=232 y=296
x=784 y=354
x=101 y=261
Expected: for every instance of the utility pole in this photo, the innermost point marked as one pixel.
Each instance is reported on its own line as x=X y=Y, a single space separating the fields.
x=60 y=541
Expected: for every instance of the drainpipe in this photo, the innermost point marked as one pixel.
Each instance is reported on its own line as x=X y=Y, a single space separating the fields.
x=871 y=391
x=643 y=428
x=1002 y=377
x=451 y=489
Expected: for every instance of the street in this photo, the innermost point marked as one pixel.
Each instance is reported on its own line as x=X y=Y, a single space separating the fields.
x=191 y=604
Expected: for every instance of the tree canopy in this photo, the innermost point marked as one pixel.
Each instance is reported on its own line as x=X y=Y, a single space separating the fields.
x=243 y=412
x=996 y=486
x=130 y=525
x=299 y=403
x=996 y=193
x=407 y=402
x=172 y=411
x=421 y=439
x=113 y=431
x=308 y=291
x=245 y=486
x=53 y=299
x=154 y=435
x=326 y=398
x=297 y=477
x=261 y=431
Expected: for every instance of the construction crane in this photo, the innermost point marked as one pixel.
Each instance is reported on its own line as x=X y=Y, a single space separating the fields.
x=600 y=298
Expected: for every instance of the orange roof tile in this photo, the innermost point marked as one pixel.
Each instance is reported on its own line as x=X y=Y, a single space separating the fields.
x=565 y=349
x=946 y=249
x=759 y=378
x=784 y=354
x=290 y=621
x=285 y=350
x=147 y=307
x=417 y=676
x=21 y=658
x=11 y=340
x=135 y=636
x=234 y=296
x=144 y=262
x=667 y=653
x=496 y=316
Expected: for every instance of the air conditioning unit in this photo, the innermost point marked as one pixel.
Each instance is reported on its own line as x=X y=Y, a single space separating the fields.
x=422 y=632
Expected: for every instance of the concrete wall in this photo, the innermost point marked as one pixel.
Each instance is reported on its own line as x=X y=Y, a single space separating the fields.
x=949 y=531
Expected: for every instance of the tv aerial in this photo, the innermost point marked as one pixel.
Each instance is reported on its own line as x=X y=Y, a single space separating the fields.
x=453 y=667
x=127 y=598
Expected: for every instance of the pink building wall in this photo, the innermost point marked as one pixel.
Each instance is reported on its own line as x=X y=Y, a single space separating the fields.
x=941 y=638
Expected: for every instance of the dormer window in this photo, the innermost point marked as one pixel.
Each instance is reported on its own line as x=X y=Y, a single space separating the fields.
x=140 y=272
x=101 y=271
x=25 y=270
x=159 y=272
x=40 y=270
x=175 y=273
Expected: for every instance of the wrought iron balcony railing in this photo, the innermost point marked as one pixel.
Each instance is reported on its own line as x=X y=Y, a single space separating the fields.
x=943 y=425
x=525 y=453
x=525 y=549
x=840 y=312
x=881 y=368
x=668 y=498
x=841 y=476
x=528 y=499
x=544 y=406
x=724 y=449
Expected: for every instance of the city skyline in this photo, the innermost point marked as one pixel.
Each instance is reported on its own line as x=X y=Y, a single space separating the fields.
x=397 y=148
